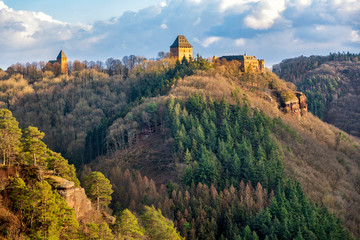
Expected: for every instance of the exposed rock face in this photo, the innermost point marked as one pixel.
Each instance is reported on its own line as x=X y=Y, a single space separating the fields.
x=296 y=106
x=303 y=102
x=75 y=197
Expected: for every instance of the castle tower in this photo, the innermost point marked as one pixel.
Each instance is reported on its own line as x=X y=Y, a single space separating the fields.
x=181 y=48
x=262 y=65
x=62 y=59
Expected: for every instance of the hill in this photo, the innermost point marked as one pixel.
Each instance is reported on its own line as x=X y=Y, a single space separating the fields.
x=331 y=84
x=225 y=154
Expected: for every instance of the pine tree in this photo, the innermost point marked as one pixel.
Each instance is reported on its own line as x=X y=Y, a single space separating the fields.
x=128 y=227
x=33 y=147
x=10 y=134
x=157 y=227
x=99 y=189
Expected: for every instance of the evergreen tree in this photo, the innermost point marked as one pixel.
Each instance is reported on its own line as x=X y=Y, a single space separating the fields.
x=33 y=147
x=157 y=227
x=128 y=227
x=9 y=136
x=98 y=189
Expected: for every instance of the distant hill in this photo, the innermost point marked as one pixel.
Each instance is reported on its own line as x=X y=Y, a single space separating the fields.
x=331 y=84
x=224 y=154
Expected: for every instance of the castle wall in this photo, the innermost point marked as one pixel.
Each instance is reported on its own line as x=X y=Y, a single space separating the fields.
x=63 y=64
x=181 y=52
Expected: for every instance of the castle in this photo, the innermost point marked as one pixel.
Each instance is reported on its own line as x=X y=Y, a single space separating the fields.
x=181 y=48
x=248 y=63
x=62 y=60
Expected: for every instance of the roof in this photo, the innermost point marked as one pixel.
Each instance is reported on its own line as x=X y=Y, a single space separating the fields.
x=238 y=57
x=181 y=41
x=61 y=54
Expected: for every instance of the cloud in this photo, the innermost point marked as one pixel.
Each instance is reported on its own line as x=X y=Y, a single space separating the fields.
x=208 y=41
x=25 y=29
x=198 y=20
x=265 y=14
x=355 y=37
x=269 y=29
x=240 y=42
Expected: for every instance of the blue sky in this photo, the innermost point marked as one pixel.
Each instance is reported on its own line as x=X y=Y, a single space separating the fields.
x=93 y=30
x=80 y=11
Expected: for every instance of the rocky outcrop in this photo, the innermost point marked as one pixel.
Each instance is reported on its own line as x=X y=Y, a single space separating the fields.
x=74 y=196
x=296 y=106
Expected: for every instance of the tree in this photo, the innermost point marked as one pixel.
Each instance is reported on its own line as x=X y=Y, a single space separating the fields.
x=98 y=232
x=10 y=136
x=99 y=189
x=128 y=227
x=32 y=145
x=44 y=213
x=157 y=226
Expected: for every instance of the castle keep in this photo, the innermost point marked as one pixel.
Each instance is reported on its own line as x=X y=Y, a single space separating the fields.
x=62 y=60
x=181 y=48
x=248 y=63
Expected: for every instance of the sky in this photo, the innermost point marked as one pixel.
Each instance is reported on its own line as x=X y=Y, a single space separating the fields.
x=33 y=31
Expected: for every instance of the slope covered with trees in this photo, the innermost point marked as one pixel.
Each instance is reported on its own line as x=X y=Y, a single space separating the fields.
x=331 y=84
x=32 y=208
x=207 y=145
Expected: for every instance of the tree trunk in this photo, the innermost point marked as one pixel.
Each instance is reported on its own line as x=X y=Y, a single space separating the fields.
x=98 y=203
x=34 y=159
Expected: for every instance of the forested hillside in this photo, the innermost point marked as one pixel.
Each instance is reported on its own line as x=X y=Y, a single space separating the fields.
x=331 y=84
x=208 y=145
x=33 y=205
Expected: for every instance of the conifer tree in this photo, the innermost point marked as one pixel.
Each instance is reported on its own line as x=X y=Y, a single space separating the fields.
x=157 y=226
x=10 y=134
x=33 y=147
x=128 y=227
x=99 y=189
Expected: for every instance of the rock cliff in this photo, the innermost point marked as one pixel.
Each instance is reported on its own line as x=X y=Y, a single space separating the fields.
x=74 y=196
x=296 y=106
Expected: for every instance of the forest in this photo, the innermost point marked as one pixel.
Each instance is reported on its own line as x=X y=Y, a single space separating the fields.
x=331 y=84
x=181 y=150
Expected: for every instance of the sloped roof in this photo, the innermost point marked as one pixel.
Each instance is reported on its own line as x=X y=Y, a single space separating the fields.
x=238 y=57
x=181 y=41
x=61 y=54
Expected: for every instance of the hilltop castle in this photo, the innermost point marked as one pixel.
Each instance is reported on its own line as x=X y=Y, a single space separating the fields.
x=248 y=63
x=181 y=48
x=62 y=60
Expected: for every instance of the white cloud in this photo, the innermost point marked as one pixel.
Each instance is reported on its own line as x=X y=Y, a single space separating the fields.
x=264 y=16
x=355 y=37
x=195 y=1
x=240 y=42
x=209 y=41
x=198 y=20
x=2 y=5
x=300 y=4
x=235 y=5
x=270 y=29
x=347 y=9
x=163 y=4
x=22 y=29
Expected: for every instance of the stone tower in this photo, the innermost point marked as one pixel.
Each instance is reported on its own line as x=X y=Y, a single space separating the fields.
x=181 y=48
x=62 y=59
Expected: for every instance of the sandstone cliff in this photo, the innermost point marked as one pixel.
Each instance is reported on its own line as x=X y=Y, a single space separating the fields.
x=75 y=197
x=296 y=105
